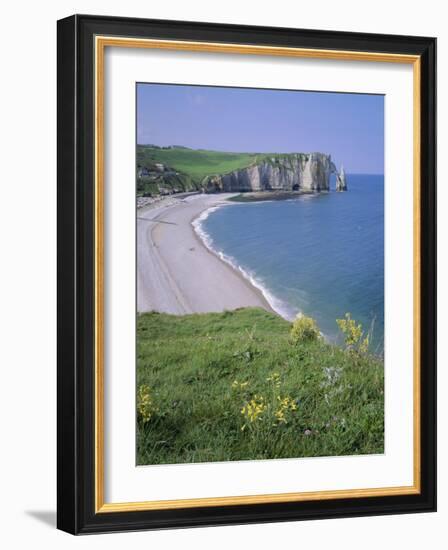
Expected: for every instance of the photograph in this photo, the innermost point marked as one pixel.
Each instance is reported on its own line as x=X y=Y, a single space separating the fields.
x=259 y=274
x=246 y=221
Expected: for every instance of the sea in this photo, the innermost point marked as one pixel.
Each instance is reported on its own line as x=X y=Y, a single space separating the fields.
x=319 y=255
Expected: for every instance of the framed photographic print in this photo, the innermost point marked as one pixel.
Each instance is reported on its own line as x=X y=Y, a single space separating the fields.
x=246 y=274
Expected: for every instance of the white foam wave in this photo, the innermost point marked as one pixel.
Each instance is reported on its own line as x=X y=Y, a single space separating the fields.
x=197 y=226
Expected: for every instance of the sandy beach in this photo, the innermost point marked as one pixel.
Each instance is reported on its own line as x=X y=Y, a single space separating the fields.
x=176 y=272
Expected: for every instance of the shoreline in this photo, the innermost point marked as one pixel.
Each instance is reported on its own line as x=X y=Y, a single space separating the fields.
x=270 y=196
x=247 y=277
x=237 y=272
x=177 y=272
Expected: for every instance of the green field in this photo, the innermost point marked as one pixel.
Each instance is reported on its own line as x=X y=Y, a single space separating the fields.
x=236 y=386
x=195 y=163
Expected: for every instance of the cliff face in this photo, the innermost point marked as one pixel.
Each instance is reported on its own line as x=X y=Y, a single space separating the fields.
x=292 y=172
x=341 y=184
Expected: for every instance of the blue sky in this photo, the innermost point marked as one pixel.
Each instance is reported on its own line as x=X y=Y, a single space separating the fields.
x=350 y=127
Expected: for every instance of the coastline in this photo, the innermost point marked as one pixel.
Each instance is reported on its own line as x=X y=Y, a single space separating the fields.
x=177 y=272
x=274 y=304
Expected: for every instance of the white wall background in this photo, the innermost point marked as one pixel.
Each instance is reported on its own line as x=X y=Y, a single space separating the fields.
x=28 y=272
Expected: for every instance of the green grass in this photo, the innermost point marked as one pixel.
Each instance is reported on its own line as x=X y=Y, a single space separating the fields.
x=197 y=164
x=199 y=371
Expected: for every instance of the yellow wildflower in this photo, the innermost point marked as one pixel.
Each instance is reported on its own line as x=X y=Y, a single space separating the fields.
x=254 y=409
x=239 y=385
x=304 y=329
x=285 y=405
x=351 y=330
x=353 y=334
x=364 y=345
x=145 y=404
x=275 y=379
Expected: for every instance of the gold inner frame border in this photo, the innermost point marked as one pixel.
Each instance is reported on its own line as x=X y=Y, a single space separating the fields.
x=101 y=42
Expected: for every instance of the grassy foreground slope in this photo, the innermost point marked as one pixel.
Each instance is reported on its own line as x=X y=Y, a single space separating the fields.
x=233 y=386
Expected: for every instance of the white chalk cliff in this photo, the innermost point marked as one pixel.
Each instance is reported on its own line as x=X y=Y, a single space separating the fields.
x=341 y=183
x=287 y=172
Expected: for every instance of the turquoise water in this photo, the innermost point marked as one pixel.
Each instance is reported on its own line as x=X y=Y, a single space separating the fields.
x=322 y=255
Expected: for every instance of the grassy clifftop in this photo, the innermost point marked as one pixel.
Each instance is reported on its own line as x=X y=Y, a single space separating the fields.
x=197 y=164
x=185 y=169
x=235 y=386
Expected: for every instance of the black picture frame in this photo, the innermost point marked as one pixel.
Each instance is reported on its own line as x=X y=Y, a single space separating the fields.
x=76 y=255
